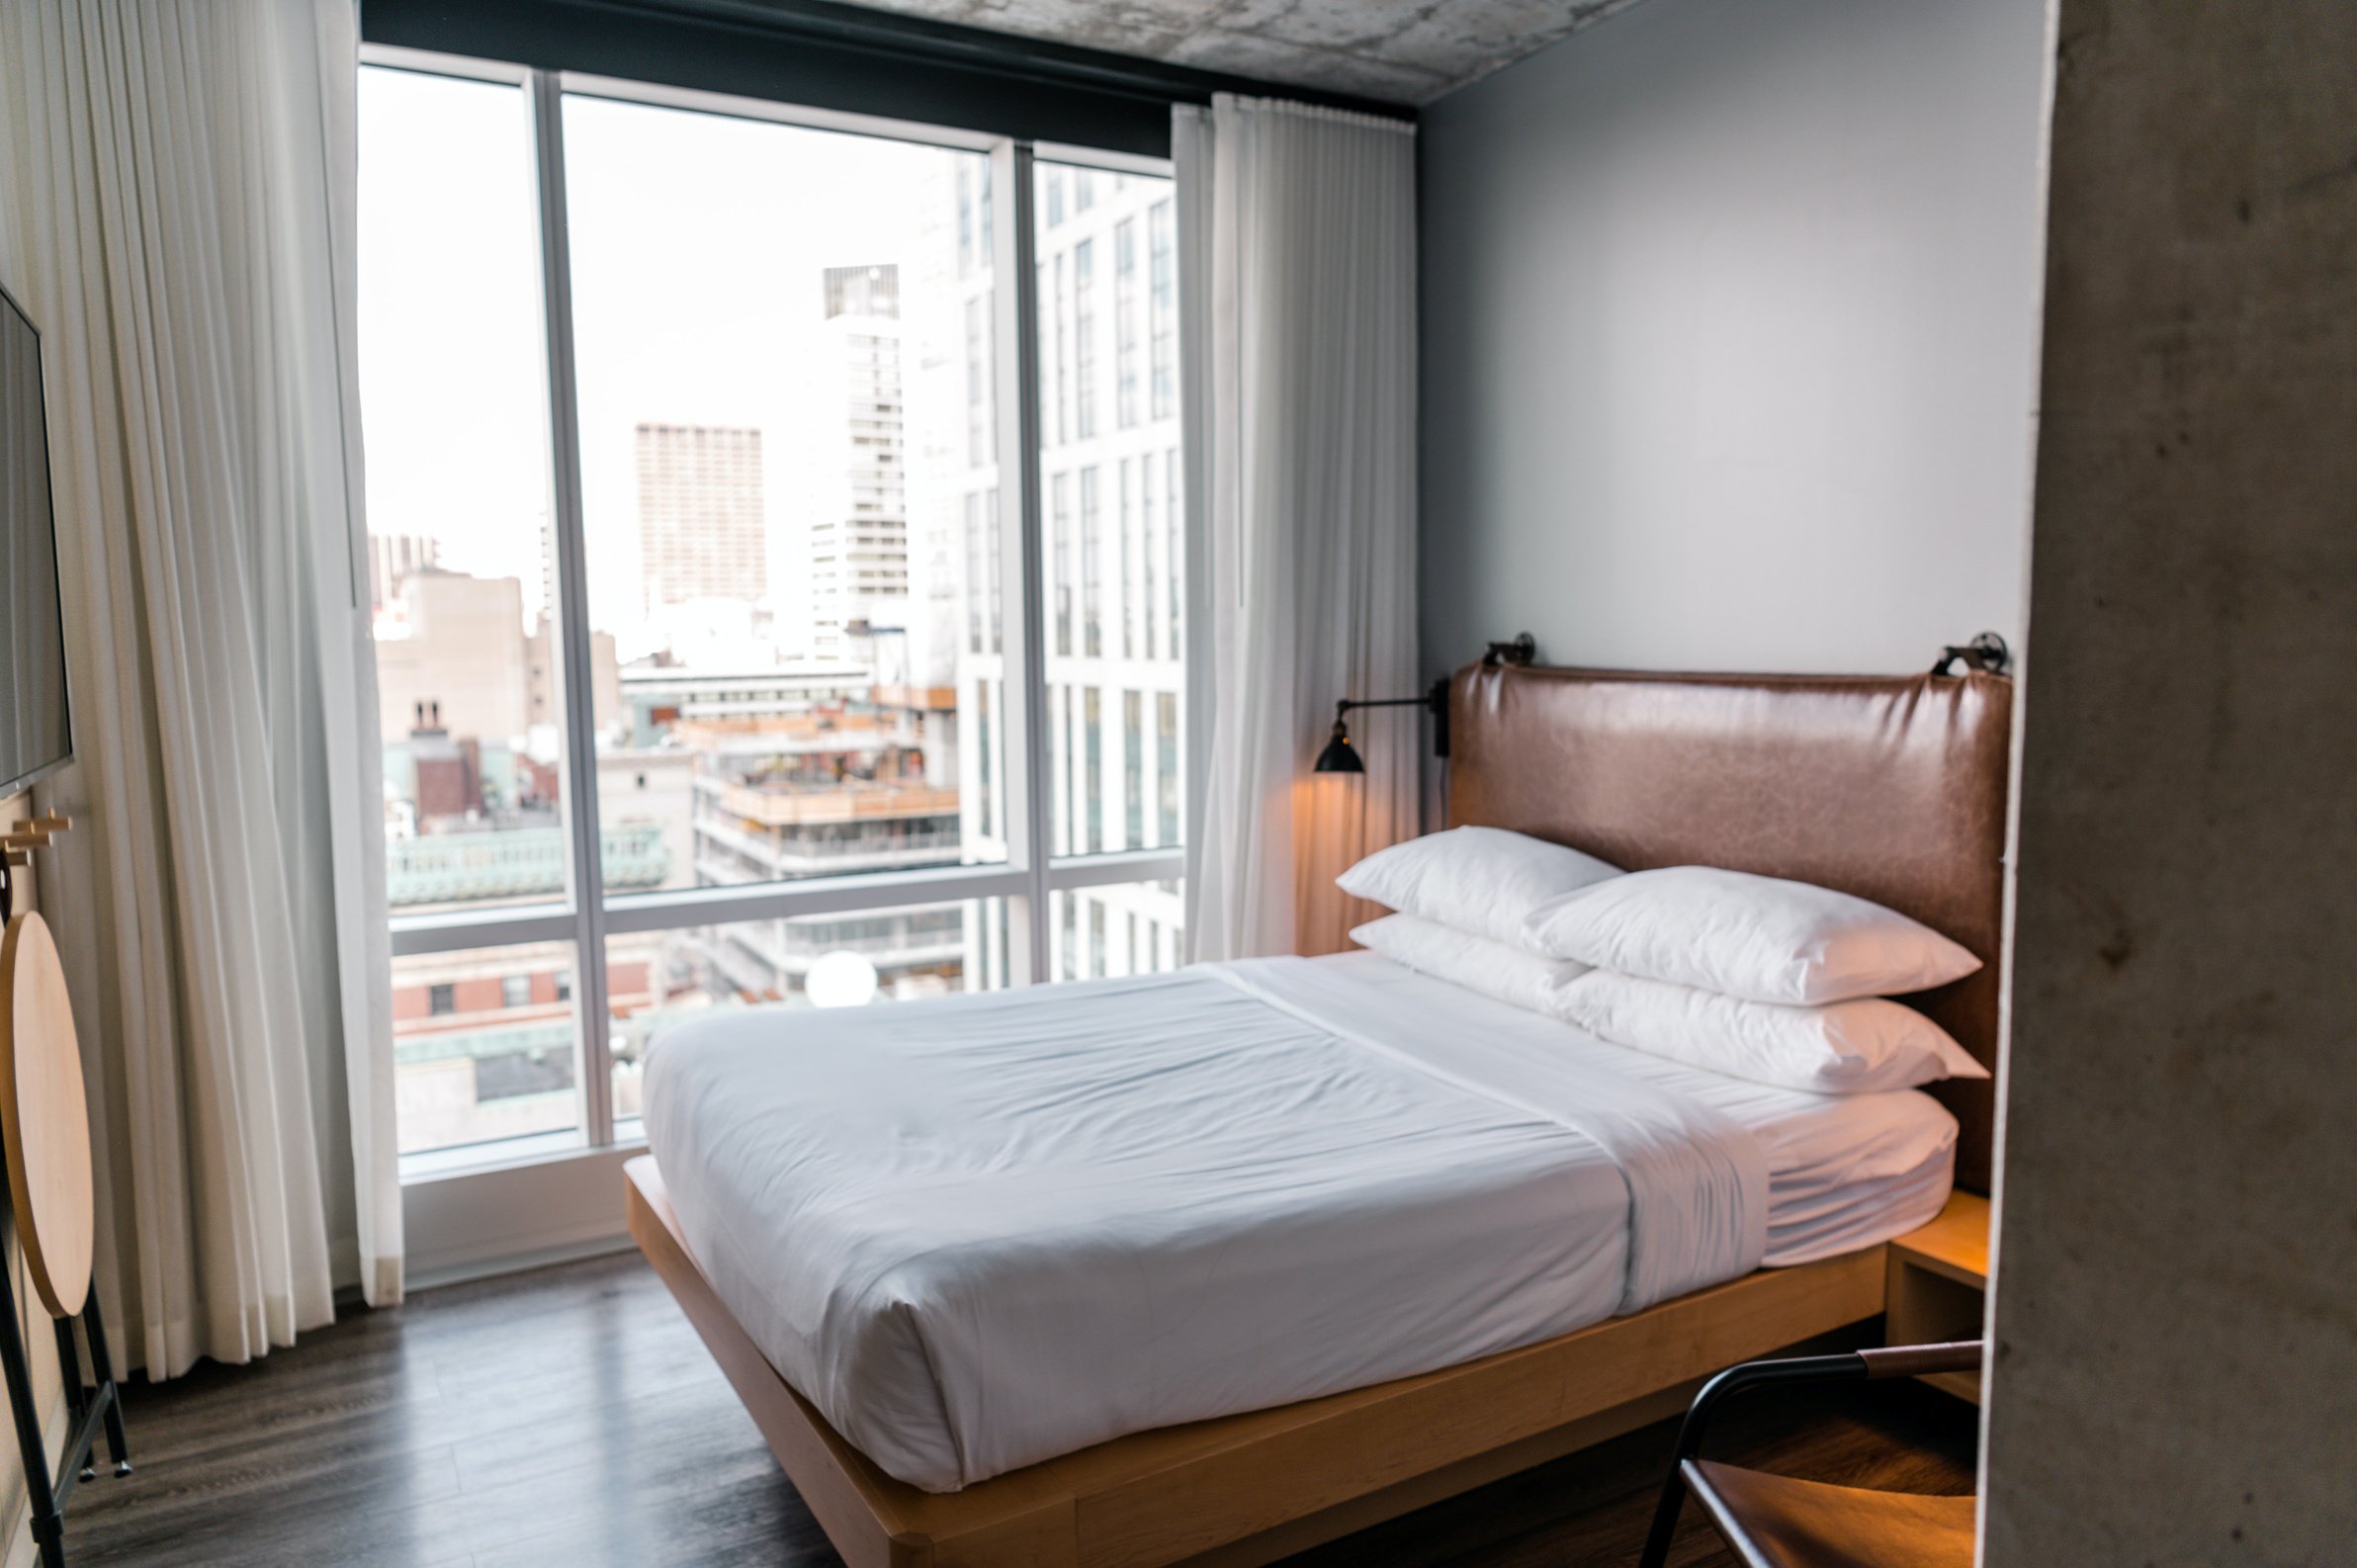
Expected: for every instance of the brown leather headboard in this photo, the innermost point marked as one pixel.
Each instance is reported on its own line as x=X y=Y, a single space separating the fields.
x=1892 y=787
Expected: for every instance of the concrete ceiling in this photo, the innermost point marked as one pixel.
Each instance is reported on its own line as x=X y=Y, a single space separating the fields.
x=1405 y=51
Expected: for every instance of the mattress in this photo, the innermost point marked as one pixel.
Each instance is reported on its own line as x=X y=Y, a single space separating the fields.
x=982 y=1231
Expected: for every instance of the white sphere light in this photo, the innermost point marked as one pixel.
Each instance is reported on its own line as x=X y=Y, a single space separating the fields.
x=841 y=979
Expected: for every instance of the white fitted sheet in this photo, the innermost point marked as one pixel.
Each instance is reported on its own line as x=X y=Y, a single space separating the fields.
x=986 y=1230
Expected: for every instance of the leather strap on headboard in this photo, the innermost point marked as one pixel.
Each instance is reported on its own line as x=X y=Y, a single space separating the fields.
x=1890 y=788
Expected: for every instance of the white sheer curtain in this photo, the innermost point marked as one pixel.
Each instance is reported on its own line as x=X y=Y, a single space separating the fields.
x=1297 y=261
x=176 y=212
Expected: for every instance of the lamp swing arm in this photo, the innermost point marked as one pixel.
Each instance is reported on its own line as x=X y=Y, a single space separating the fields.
x=1340 y=756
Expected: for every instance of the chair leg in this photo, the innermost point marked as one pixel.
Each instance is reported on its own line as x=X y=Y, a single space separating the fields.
x=1665 y=1519
x=69 y=1373
x=101 y=1364
x=1749 y=1374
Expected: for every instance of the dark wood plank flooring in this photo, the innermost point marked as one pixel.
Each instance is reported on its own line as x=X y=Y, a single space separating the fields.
x=570 y=1417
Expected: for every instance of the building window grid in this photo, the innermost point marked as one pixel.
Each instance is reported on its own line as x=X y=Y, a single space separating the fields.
x=1059 y=508
x=1062 y=317
x=1092 y=764
x=1125 y=323
x=1084 y=340
x=1163 y=268
x=1133 y=770
x=1092 y=558
x=1129 y=589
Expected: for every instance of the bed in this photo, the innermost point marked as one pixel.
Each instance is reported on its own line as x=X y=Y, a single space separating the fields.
x=1209 y=1266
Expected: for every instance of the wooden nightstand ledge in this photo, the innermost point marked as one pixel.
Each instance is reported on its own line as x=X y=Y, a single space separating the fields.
x=1938 y=1281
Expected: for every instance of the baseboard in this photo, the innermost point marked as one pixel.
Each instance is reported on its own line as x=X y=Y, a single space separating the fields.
x=518 y=1263
x=476 y=1224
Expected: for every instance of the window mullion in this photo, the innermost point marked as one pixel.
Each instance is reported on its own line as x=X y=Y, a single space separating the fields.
x=572 y=614
x=1030 y=800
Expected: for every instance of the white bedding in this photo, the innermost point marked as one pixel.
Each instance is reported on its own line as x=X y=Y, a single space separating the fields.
x=983 y=1230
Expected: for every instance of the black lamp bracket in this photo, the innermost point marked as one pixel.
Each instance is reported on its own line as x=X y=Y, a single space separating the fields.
x=1519 y=648
x=1987 y=652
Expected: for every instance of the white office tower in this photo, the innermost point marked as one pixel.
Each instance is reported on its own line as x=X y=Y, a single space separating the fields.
x=702 y=532
x=1112 y=541
x=852 y=498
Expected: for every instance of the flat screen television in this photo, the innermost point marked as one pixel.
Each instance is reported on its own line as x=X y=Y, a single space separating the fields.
x=36 y=730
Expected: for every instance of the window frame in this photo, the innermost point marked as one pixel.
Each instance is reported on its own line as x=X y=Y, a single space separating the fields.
x=586 y=915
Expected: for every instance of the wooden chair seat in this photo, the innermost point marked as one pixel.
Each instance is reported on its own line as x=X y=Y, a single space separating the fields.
x=1776 y=1522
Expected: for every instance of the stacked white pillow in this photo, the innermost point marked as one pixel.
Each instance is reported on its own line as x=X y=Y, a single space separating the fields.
x=1463 y=897
x=1778 y=982
x=1514 y=975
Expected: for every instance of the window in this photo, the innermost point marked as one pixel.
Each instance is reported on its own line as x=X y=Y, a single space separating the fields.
x=1091 y=556
x=1084 y=340
x=1092 y=774
x=1165 y=330
x=1125 y=322
x=1125 y=548
x=981 y=431
x=702 y=682
x=1172 y=536
x=1133 y=770
x=1150 y=590
x=1060 y=489
x=1129 y=593
x=1060 y=319
x=1166 y=764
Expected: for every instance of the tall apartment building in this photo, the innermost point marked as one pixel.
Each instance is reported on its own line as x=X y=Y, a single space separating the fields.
x=702 y=530
x=1114 y=544
x=858 y=515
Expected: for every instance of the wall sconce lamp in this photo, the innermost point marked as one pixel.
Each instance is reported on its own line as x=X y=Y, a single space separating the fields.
x=1987 y=652
x=1340 y=756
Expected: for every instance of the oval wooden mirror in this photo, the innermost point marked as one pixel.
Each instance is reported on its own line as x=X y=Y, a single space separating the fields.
x=44 y=1122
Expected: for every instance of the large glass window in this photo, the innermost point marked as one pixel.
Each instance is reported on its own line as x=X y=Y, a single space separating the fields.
x=706 y=681
x=460 y=570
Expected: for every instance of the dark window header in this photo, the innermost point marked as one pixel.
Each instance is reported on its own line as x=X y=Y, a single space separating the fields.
x=837 y=57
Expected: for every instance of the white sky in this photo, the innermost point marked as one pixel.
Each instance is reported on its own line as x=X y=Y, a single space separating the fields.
x=697 y=247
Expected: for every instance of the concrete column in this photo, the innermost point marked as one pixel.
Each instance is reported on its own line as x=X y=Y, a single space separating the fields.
x=2175 y=1379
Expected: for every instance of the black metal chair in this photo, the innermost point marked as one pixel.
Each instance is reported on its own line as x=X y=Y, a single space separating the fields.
x=1775 y=1522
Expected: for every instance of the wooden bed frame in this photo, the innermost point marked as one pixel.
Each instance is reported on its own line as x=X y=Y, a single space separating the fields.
x=1894 y=789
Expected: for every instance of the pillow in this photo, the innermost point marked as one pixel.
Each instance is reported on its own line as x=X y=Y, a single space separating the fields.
x=1482 y=880
x=1844 y=1048
x=1510 y=974
x=1761 y=938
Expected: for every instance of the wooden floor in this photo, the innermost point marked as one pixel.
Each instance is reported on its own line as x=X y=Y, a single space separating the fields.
x=570 y=1417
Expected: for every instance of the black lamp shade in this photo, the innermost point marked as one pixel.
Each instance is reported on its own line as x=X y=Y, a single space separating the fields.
x=1340 y=756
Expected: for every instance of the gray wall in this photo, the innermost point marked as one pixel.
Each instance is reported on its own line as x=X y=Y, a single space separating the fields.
x=2176 y=1306
x=1731 y=313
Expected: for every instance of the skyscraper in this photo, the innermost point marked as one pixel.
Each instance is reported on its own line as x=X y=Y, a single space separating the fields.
x=1112 y=541
x=859 y=527
x=702 y=532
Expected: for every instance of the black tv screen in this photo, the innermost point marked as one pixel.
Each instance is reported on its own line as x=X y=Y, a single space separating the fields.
x=35 y=735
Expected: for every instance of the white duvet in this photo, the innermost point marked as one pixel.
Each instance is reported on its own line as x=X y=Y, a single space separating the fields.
x=982 y=1232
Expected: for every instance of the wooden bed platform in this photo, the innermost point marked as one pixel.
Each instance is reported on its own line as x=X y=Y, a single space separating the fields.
x=1890 y=788
x=1245 y=1490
